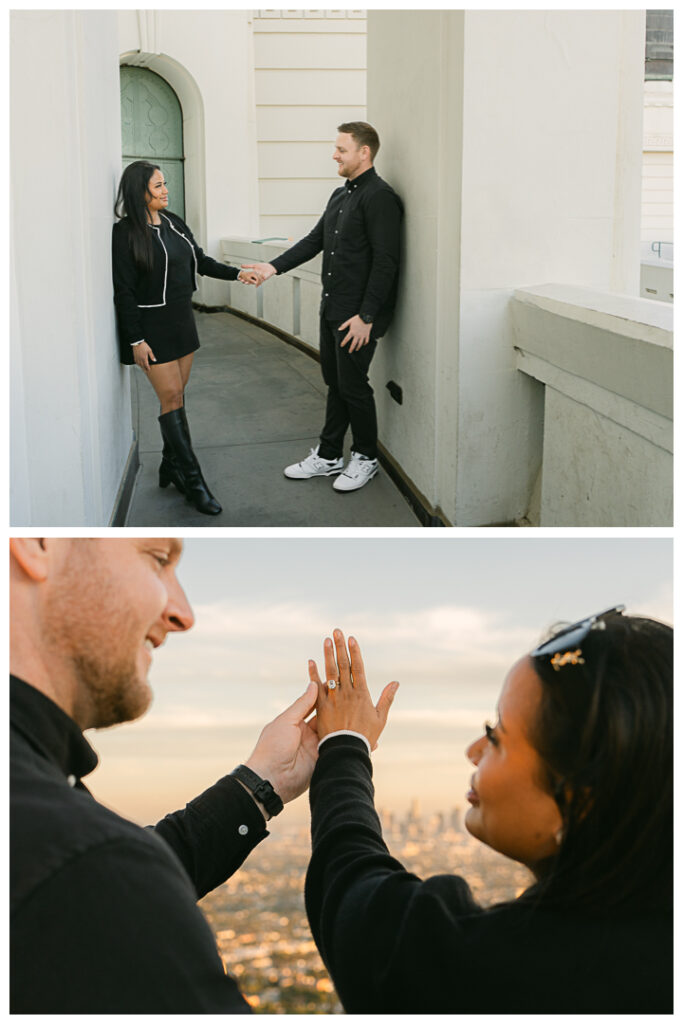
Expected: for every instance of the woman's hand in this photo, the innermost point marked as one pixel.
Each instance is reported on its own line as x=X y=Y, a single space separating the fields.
x=348 y=705
x=143 y=355
x=249 y=277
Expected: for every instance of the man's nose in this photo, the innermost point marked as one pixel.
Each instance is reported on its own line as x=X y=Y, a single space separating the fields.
x=178 y=615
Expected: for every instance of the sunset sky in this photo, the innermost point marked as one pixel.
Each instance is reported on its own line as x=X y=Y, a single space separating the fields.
x=446 y=620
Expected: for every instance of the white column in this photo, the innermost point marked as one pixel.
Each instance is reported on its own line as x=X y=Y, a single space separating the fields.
x=514 y=139
x=71 y=420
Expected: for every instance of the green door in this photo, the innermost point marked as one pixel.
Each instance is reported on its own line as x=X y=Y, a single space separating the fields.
x=152 y=129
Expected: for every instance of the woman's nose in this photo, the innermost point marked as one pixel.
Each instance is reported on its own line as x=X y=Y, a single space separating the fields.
x=473 y=752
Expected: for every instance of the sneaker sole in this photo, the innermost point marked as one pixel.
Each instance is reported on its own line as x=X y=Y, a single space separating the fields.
x=312 y=476
x=350 y=490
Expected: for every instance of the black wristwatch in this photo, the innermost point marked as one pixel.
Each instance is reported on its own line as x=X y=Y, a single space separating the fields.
x=261 y=789
x=367 y=318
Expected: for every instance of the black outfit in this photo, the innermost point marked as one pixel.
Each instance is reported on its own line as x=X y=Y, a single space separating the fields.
x=359 y=235
x=103 y=913
x=156 y=307
x=396 y=944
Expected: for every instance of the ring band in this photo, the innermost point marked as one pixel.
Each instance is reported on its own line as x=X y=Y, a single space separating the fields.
x=332 y=684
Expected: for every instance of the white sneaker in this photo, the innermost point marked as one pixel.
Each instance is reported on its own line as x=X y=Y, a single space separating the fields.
x=313 y=465
x=359 y=470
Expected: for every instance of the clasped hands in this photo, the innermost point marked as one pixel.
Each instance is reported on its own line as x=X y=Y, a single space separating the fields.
x=287 y=749
x=358 y=333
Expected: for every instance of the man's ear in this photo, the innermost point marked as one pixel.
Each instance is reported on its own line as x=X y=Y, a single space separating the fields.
x=30 y=556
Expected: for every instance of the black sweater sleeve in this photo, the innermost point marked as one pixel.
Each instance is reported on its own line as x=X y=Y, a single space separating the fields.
x=214 y=834
x=383 y=224
x=385 y=936
x=126 y=278
x=303 y=251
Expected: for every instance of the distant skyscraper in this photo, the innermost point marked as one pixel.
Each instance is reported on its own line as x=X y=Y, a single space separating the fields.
x=456 y=824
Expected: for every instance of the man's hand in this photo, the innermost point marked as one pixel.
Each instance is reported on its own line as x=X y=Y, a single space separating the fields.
x=264 y=270
x=348 y=705
x=359 y=333
x=249 y=277
x=143 y=356
x=287 y=749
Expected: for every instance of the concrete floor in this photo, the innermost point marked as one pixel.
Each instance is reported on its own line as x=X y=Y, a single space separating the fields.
x=255 y=404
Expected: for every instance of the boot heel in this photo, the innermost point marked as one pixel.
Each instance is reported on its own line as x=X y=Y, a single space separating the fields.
x=164 y=481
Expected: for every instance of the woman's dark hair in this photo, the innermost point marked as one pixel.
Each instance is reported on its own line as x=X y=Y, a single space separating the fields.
x=605 y=734
x=131 y=202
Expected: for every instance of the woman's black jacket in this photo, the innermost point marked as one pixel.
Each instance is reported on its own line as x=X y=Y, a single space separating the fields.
x=135 y=290
x=396 y=944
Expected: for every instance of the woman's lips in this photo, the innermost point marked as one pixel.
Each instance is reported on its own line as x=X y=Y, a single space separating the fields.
x=472 y=796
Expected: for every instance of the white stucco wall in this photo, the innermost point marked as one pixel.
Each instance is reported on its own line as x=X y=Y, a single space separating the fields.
x=309 y=77
x=207 y=57
x=532 y=143
x=70 y=408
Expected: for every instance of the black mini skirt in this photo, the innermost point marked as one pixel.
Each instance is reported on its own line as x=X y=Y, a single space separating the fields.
x=170 y=330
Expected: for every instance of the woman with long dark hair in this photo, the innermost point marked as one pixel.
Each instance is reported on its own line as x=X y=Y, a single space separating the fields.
x=575 y=781
x=155 y=262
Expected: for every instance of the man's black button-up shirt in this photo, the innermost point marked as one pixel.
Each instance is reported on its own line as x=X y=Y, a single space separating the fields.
x=360 y=237
x=103 y=913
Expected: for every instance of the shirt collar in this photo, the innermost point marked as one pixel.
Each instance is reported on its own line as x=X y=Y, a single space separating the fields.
x=362 y=179
x=50 y=730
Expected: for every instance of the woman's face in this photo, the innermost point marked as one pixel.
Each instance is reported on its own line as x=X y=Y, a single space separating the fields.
x=157 y=193
x=511 y=811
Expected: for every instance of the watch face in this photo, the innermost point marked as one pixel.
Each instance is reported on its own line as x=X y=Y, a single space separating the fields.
x=365 y=318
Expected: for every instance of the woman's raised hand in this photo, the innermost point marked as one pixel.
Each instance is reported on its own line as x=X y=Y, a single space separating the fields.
x=344 y=701
x=143 y=355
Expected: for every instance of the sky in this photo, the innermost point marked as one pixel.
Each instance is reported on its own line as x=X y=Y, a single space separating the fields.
x=445 y=617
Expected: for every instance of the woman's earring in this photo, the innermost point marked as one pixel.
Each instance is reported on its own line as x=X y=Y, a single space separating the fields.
x=559 y=836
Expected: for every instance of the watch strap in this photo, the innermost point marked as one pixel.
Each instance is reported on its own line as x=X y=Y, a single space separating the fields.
x=261 y=789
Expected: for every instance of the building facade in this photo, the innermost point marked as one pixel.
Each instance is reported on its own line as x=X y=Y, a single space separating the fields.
x=507 y=185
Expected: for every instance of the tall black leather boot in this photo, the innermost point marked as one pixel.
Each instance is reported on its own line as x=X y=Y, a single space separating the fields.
x=169 y=472
x=176 y=435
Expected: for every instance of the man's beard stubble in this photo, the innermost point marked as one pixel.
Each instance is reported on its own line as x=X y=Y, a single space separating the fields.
x=87 y=627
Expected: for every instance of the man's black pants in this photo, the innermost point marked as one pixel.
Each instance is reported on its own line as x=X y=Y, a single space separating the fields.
x=350 y=399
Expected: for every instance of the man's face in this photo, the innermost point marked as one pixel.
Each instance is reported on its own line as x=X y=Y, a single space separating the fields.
x=348 y=155
x=110 y=602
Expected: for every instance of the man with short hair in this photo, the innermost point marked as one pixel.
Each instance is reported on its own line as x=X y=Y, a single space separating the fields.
x=359 y=235
x=103 y=913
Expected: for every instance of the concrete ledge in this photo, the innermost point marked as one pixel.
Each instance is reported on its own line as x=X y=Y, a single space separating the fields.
x=606 y=362
x=289 y=302
x=622 y=343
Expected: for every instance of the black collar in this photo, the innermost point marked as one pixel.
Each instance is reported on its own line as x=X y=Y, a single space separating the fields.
x=361 y=180
x=49 y=730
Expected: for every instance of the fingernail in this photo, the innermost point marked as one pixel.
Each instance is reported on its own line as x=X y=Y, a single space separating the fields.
x=352 y=642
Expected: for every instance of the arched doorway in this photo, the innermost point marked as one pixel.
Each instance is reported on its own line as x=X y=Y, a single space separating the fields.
x=152 y=128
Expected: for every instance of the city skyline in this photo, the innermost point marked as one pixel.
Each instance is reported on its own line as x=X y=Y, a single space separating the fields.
x=448 y=624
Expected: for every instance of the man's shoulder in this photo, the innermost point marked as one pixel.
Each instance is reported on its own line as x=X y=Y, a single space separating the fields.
x=379 y=187
x=52 y=824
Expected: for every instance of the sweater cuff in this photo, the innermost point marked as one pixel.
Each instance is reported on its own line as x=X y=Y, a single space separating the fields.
x=346 y=732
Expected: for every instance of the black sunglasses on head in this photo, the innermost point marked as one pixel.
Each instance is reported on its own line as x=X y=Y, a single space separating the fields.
x=565 y=646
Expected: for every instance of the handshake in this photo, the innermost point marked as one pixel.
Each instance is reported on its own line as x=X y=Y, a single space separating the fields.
x=255 y=273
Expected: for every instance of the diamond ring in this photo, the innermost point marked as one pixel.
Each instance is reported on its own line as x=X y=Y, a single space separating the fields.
x=332 y=684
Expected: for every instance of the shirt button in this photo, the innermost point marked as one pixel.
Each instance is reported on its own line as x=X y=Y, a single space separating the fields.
x=243 y=829
x=72 y=780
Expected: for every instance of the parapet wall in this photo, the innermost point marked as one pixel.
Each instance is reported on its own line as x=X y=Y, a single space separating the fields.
x=606 y=363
